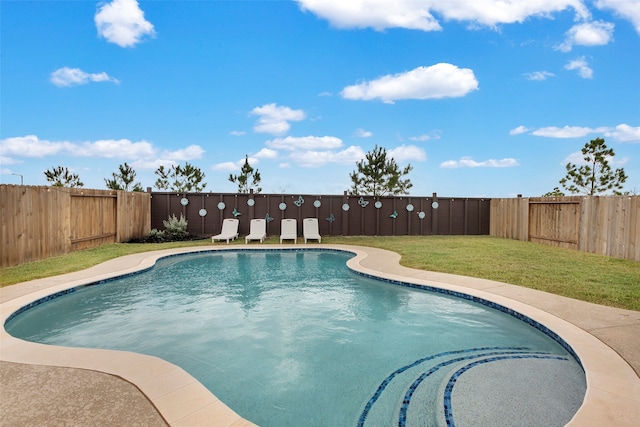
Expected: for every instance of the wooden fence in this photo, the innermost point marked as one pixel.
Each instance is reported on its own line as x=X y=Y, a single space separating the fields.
x=603 y=225
x=338 y=214
x=41 y=222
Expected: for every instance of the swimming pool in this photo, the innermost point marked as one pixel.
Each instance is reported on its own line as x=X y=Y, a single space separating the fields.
x=329 y=348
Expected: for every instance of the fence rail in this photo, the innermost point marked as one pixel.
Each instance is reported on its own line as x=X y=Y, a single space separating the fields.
x=42 y=222
x=338 y=214
x=603 y=225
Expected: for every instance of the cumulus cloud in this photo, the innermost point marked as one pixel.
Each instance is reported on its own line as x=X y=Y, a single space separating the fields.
x=419 y=14
x=291 y=143
x=538 y=75
x=519 y=130
x=317 y=158
x=139 y=153
x=266 y=153
x=624 y=133
x=66 y=76
x=361 y=133
x=237 y=133
x=406 y=153
x=596 y=33
x=468 y=162
x=578 y=158
x=582 y=66
x=424 y=137
x=226 y=166
x=627 y=9
x=435 y=82
x=274 y=119
x=563 y=132
x=122 y=22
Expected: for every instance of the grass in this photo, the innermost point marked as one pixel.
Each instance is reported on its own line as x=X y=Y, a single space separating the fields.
x=584 y=276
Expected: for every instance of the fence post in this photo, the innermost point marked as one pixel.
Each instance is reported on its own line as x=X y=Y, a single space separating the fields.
x=434 y=214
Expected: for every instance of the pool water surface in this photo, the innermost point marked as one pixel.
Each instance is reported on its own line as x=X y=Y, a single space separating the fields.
x=293 y=338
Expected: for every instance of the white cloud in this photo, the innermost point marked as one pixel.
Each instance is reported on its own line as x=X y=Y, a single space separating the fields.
x=237 y=133
x=74 y=76
x=275 y=120
x=596 y=33
x=31 y=146
x=361 y=133
x=624 y=133
x=582 y=66
x=435 y=82
x=122 y=22
x=226 y=166
x=563 y=132
x=141 y=154
x=305 y=143
x=315 y=158
x=468 y=162
x=115 y=149
x=406 y=153
x=419 y=14
x=189 y=153
x=519 y=130
x=628 y=9
x=538 y=75
x=266 y=153
x=424 y=137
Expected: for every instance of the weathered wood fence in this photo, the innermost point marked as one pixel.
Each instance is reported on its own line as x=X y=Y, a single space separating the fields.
x=338 y=214
x=41 y=222
x=603 y=225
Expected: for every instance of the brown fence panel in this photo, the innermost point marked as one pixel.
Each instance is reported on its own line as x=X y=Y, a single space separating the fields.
x=41 y=222
x=605 y=225
x=337 y=214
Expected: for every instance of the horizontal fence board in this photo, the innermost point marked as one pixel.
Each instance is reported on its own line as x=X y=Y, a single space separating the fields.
x=346 y=215
x=605 y=225
x=42 y=222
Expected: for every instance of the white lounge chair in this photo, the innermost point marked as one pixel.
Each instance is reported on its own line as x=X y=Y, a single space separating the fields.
x=289 y=230
x=310 y=230
x=257 y=230
x=229 y=230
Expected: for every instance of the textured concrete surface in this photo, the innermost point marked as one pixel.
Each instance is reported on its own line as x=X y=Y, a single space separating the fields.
x=34 y=395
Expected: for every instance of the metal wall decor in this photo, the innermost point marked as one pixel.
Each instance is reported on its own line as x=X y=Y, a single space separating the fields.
x=299 y=202
x=378 y=204
x=282 y=206
x=221 y=206
x=268 y=218
x=317 y=203
x=331 y=218
x=202 y=212
x=184 y=201
x=236 y=213
x=345 y=207
x=435 y=205
x=409 y=207
x=362 y=202
x=421 y=215
x=251 y=202
x=394 y=215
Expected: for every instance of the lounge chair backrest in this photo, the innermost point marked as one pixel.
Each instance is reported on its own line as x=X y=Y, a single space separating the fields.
x=310 y=226
x=289 y=227
x=229 y=226
x=258 y=226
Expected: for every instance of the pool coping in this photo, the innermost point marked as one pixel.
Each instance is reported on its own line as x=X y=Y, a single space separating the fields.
x=613 y=387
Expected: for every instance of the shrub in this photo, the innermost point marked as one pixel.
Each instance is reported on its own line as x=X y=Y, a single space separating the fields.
x=156 y=235
x=176 y=228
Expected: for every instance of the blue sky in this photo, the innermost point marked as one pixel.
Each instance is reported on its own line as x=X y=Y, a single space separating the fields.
x=484 y=98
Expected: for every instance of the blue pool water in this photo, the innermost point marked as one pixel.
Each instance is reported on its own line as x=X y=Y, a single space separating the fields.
x=294 y=338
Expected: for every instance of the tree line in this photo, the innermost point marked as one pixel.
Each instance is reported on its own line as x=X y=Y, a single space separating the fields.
x=377 y=174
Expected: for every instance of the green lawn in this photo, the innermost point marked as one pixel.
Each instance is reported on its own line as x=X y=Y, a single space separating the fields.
x=588 y=277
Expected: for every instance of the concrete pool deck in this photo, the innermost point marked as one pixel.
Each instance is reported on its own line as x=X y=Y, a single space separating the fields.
x=49 y=385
